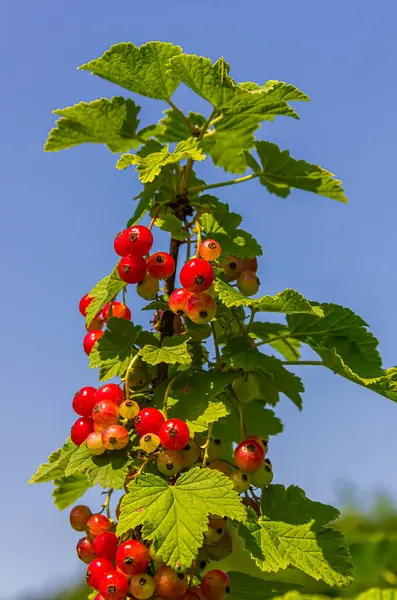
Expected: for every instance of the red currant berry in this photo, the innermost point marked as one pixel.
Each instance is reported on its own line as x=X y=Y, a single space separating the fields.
x=83 y=401
x=160 y=265
x=90 y=340
x=105 y=545
x=81 y=429
x=138 y=240
x=119 y=310
x=196 y=275
x=178 y=302
x=215 y=585
x=149 y=420
x=249 y=456
x=174 y=434
x=109 y=391
x=210 y=250
x=169 y=584
x=148 y=288
x=248 y=283
x=250 y=264
x=142 y=586
x=132 y=557
x=105 y=413
x=96 y=325
x=169 y=463
x=95 y=571
x=94 y=443
x=132 y=269
x=97 y=524
x=85 y=550
x=201 y=308
x=120 y=243
x=222 y=467
x=264 y=443
x=129 y=409
x=113 y=585
x=84 y=304
x=233 y=267
x=191 y=595
x=79 y=516
x=98 y=429
x=99 y=597
x=115 y=437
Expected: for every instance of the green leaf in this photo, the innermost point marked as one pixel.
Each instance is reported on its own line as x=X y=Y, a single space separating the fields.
x=292 y=532
x=281 y=172
x=156 y=305
x=69 y=489
x=378 y=594
x=345 y=332
x=56 y=465
x=108 y=470
x=258 y=420
x=210 y=81
x=140 y=69
x=114 y=350
x=140 y=211
x=171 y=223
x=104 y=291
x=174 y=350
x=175 y=517
x=148 y=167
x=245 y=587
x=288 y=346
x=173 y=127
x=112 y=122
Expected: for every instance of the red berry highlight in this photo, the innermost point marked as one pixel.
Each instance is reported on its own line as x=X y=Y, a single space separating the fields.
x=201 y=308
x=196 y=275
x=105 y=413
x=81 y=429
x=113 y=585
x=79 y=516
x=249 y=456
x=109 y=391
x=105 y=545
x=174 y=434
x=178 y=302
x=115 y=437
x=148 y=420
x=160 y=265
x=95 y=571
x=138 y=240
x=97 y=524
x=210 y=250
x=85 y=550
x=119 y=310
x=132 y=557
x=132 y=269
x=90 y=340
x=83 y=401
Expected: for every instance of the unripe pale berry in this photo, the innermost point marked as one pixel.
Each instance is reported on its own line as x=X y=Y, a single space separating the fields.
x=132 y=269
x=215 y=585
x=85 y=550
x=247 y=387
x=201 y=308
x=109 y=391
x=90 y=340
x=138 y=240
x=115 y=437
x=196 y=275
x=132 y=557
x=222 y=549
x=178 y=302
x=94 y=443
x=149 y=442
x=248 y=283
x=119 y=311
x=241 y=481
x=216 y=522
x=213 y=536
x=174 y=434
x=83 y=401
x=233 y=267
x=210 y=250
x=160 y=265
x=148 y=288
x=105 y=413
x=149 y=420
x=113 y=585
x=81 y=429
x=169 y=584
x=105 y=545
x=129 y=409
x=97 y=524
x=169 y=463
x=215 y=449
x=79 y=516
x=190 y=454
x=96 y=569
x=142 y=586
x=263 y=476
x=249 y=456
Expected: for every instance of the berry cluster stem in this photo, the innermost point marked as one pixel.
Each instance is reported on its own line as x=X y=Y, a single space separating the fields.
x=206 y=446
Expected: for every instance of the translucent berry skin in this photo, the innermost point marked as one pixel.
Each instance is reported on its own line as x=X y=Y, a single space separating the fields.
x=98 y=429
x=83 y=401
x=149 y=442
x=263 y=476
x=132 y=269
x=241 y=481
x=248 y=283
x=212 y=536
x=129 y=409
x=160 y=265
x=119 y=310
x=81 y=429
x=142 y=586
x=105 y=413
x=84 y=304
x=132 y=557
x=90 y=339
x=233 y=267
x=169 y=584
x=178 y=301
x=97 y=524
x=96 y=324
x=215 y=585
x=174 y=434
x=190 y=454
x=197 y=275
x=109 y=391
x=215 y=449
x=149 y=420
x=115 y=437
x=105 y=545
x=210 y=250
x=95 y=571
x=113 y=585
x=79 y=516
x=85 y=550
x=201 y=308
x=120 y=243
x=138 y=240
x=94 y=443
x=250 y=264
x=249 y=456
x=169 y=463
x=148 y=288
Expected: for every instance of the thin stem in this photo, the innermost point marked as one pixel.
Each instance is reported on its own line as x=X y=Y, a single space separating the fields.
x=198 y=242
x=251 y=320
x=123 y=294
x=156 y=212
x=181 y=114
x=315 y=363
x=206 y=125
x=243 y=429
x=255 y=497
x=217 y=353
x=188 y=249
x=211 y=186
x=167 y=393
x=127 y=376
x=106 y=505
x=206 y=447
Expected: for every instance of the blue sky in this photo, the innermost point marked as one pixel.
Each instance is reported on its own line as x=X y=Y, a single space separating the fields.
x=61 y=211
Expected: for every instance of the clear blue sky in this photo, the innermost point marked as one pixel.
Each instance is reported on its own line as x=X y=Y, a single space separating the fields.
x=61 y=211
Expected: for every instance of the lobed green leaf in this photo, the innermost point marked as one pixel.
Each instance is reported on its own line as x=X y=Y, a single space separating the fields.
x=104 y=291
x=174 y=350
x=56 y=465
x=108 y=470
x=69 y=489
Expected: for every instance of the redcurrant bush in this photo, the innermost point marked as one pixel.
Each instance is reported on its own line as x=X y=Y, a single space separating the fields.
x=132 y=557
x=160 y=265
x=197 y=275
x=174 y=434
x=249 y=456
x=149 y=420
x=132 y=269
x=81 y=429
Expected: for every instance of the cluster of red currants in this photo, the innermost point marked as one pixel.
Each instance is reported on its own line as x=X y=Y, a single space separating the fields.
x=128 y=569
x=94 y=329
